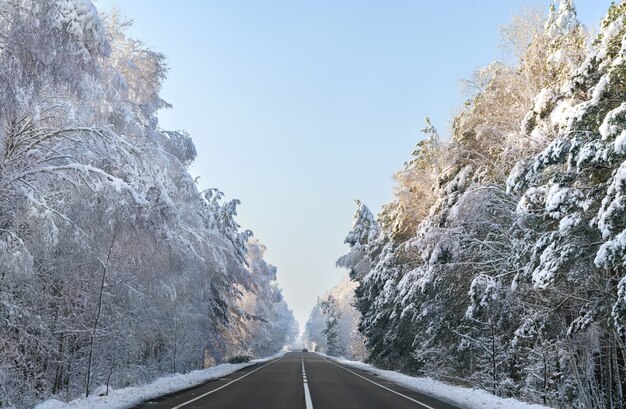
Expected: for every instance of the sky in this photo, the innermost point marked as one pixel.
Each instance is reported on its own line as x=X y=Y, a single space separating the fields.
x=298 y=108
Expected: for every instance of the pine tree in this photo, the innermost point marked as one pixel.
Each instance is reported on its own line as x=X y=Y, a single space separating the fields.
x=570 y=197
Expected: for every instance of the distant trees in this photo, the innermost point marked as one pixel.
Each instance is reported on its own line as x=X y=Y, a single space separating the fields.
x=269 y=323
x=332 y=327
x=500 y=262
x=114 y=268
x=314 y=337
x=331 y=330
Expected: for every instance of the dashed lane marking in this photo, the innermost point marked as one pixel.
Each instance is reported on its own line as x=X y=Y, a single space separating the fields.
x=307 y=393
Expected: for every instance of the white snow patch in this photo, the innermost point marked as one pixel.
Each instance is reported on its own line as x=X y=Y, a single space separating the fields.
x=610 y=125
x=599 y=89
x=568 y=222
x=559 y=57
x=620 y=142
x=544 y=100
x=80 y=19
x=607 y=36
x=134 y=395
x=464 y=398
x=559 y=114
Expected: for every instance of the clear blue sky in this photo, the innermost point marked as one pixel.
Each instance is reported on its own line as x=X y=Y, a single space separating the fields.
x=298 y=108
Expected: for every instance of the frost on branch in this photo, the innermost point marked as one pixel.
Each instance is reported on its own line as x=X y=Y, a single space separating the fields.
x=80 y=20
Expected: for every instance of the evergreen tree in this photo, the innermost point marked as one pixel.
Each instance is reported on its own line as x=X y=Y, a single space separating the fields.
x=503 y=266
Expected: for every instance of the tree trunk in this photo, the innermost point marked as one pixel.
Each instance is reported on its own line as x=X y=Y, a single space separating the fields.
x=494 y=360
x=104 y=266
x=109 y=377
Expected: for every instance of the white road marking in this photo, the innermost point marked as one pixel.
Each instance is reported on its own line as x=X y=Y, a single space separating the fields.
x=223 y=386
x=307 y=393
x=377 y=384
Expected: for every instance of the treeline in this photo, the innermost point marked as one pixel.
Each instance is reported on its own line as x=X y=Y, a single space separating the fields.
x=333 y=325
x=501 y=262
x=114 y=268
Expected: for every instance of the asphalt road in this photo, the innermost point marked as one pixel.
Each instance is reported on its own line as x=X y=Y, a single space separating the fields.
x=298 y=381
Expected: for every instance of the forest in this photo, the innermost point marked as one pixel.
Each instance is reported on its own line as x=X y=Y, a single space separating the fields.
x=501 y=262
x=114 y=267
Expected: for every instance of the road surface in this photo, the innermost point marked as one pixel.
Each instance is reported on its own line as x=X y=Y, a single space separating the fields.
x=298 y=381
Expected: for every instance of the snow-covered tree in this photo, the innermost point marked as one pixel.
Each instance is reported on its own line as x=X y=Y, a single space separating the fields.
x=114 y=268
x=415 y=183
x=270 y=324
x=348 y=340
x=503 y=267
x=570 y=201
x=313 y=336
x=331 y=330
x=365 y=230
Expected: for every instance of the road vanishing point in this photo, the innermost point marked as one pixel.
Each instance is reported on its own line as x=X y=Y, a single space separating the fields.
x=298 y=381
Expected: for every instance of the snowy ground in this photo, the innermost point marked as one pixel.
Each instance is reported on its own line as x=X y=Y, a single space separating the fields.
x=464 y=398
x=129 y=397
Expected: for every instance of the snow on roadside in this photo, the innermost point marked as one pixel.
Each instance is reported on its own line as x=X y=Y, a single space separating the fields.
x=134 y=395
x=464 y=398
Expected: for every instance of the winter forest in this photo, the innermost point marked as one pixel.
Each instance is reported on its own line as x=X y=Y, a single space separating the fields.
x=114 y=267
x=501 y=262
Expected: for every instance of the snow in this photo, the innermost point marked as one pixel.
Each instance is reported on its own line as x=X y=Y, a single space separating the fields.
x=80 y=19
x=566 y=21
x=562 y=22
x=543 y=276
x=545 y=98
x=132 y=396
x=620 y=142
x=555 y=198
x=610 y=249
x=607 y=36
x=568 y=222
x=619 y=308
x=559 y=57
x=365 y=229
x=558 y=116
x=610 y=126
x=483 y=290
x=513 y=181
x=599 y=89
x=613 y=203
x=619 y=59
x=464 y=398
